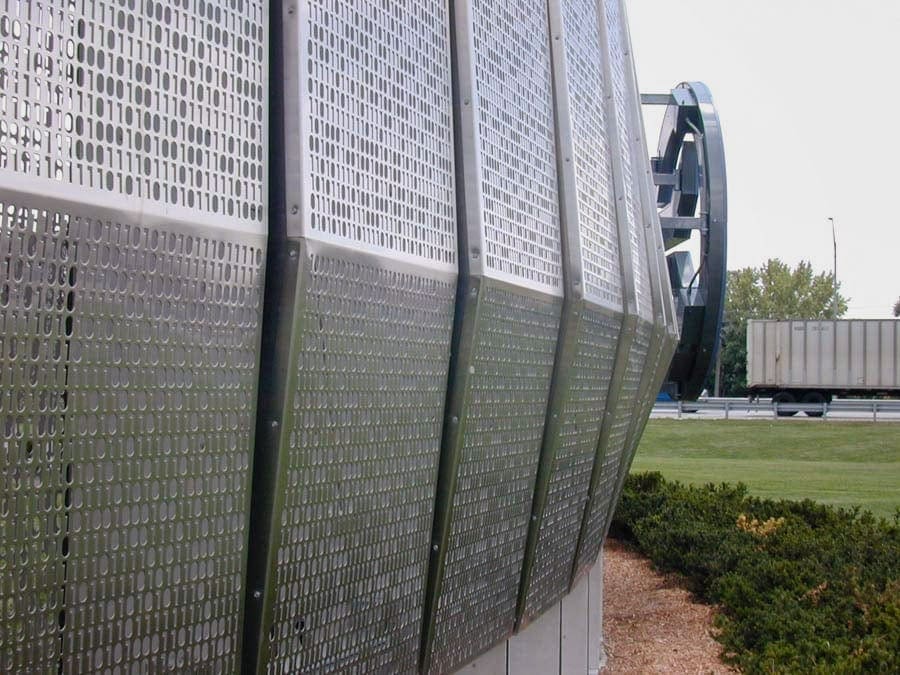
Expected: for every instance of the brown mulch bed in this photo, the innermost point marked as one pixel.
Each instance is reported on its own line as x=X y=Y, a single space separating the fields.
x=650 y=623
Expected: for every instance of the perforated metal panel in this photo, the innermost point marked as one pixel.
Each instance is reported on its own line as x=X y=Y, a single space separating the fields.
x=133 y=243
x=364 y=335
x=569 y=479
x=593 y=312
x=514 y=118
x=591 y=152
x=377 y=128
x=153 y=100
x=161 y=379
x=509 y=324
x=613 y=449
x=512 y=362
x=655 y=370
x=361 y=459
x=36 y=290
x=627 y=131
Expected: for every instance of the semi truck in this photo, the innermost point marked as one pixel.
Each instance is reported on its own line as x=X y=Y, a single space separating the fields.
x=813 y=361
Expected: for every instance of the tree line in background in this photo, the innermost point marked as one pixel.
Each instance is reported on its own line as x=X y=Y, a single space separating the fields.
x=772 y=291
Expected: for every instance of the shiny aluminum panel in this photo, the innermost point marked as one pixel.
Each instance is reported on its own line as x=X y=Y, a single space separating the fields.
x=365 y=312
x=591 y=152
x=569 y=479
x=655 y=372
x=132 y=181
x=363 y=424
x=593 y=312
x=162 y=371
x=37 y=278
x=507 y=398
x=614 y=448
x=157 y=101
x=376 y=128
x=514 y=117
x=507 y=325
x=616 y=32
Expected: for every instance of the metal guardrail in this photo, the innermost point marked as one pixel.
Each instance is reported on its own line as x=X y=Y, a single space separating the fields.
x=878 y=409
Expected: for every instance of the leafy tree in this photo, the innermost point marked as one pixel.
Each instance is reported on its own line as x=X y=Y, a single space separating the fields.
x=772 y=291
x=897 y=307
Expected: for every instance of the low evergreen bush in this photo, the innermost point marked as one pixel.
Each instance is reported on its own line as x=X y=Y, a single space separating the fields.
x=802 y=587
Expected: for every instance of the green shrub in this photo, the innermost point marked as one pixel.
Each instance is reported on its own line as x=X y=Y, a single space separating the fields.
x=803 y=587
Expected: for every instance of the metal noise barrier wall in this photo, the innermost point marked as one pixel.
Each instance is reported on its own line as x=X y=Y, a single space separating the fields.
x=132 y=252
x=413 y=445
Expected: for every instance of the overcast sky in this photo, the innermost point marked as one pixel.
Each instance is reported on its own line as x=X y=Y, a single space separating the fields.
x=809 y=96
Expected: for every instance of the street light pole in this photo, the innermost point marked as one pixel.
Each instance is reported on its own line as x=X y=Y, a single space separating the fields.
x=834 y=303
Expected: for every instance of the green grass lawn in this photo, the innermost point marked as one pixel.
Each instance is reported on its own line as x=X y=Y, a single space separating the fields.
x=840 y=463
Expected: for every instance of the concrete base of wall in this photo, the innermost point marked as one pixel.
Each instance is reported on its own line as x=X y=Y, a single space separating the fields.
x=567 y=639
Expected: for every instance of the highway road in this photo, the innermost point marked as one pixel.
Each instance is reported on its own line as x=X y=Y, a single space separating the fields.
x=862 y=410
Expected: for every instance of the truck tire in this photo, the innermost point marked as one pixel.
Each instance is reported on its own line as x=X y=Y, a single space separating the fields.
x=814 y=397
x=785 y=397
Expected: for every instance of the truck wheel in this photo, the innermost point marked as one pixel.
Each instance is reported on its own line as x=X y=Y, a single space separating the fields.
x=815 y=398
x=784 y=397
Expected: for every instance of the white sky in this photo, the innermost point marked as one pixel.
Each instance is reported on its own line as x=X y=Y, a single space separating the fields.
x=808 y=92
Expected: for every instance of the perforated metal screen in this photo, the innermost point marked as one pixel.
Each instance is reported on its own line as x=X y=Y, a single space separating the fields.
x=514 y=119
x=498 y=460
x=613 y=450
x=153 y=100
x=132 y=245
x=569 y=479
x=593 y=314
x=372 y=206
x=389 y=533
x=377 y=127
x=591 y=153
x=504 y=362
x=627 y=131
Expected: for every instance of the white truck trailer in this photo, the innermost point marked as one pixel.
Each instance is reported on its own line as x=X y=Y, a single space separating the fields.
x=813 y=361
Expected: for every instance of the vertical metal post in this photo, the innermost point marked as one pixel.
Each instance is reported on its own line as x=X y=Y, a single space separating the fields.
x=874 y=411
x=727 y=404
x=717 y=387
x=834 y=297
x=679 y=409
